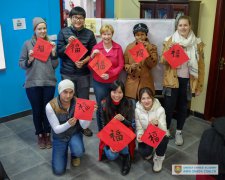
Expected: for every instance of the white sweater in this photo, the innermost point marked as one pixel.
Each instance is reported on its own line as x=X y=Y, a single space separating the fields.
x=144 y=117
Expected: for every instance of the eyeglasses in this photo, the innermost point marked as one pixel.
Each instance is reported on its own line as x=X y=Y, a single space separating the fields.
x=77 y=18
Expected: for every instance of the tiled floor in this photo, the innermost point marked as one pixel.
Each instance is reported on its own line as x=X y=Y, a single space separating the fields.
x=23 y=160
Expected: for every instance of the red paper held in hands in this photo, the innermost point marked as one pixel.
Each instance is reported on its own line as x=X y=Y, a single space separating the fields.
x=116 y=135
x=153 y=136
x=175 y=56
x=42 y=50
x=75 y=50
x=84 y=109
x=100 y=64
x=138 y=52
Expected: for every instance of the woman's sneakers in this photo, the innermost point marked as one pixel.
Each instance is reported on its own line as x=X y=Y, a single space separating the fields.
x=158 y=161
x=179 y=138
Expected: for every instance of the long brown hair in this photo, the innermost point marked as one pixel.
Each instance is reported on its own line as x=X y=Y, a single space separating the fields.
x=146 y=90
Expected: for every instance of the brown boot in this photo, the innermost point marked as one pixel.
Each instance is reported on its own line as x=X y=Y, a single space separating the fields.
x=48 y=142
x=41 y=141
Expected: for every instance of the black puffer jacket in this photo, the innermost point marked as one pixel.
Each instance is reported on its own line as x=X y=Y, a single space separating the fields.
x=212 y=146
x=86 y=37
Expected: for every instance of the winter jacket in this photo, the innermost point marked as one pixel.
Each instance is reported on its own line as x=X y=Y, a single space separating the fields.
x=86 y=37
x=212 y=146
x=143 y=117
x=115 y=55
x=38 y=73
x=170 y=78
x=141 y=77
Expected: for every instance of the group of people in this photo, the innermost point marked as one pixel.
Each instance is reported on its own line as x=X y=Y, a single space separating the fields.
x=132 y=103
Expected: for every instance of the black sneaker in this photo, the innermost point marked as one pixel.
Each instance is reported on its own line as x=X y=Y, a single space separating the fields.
x=87 y=132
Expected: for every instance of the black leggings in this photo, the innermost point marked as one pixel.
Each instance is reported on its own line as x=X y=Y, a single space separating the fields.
x=146 y=150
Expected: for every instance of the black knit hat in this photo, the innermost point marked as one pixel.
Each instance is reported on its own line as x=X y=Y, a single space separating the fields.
x=140 y=27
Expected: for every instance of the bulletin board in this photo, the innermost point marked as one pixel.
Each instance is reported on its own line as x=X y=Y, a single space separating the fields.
x=2 y=57
x=159 y=29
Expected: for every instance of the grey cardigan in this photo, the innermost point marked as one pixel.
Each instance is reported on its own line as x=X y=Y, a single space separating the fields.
x=37 y=73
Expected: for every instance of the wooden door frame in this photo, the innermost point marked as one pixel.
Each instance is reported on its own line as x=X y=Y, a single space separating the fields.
x=214 y=61
x=100 y=10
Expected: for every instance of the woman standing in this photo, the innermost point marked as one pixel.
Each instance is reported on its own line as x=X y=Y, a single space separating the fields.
x=139 y=74
x=40 y=81
x=180 y=84
x=114 y=53
x=117 y=106
x=149 y=111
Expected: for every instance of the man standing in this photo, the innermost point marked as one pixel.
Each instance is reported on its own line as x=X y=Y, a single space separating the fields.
x=77 y=72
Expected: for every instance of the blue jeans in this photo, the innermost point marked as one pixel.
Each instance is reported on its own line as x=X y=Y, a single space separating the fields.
x=101 y=91
x=60 y=150
x=39 y=97
x=114 y=155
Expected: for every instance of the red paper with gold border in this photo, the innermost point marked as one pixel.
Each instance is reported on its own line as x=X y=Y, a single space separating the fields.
x=116 y=135
x=75 y=50
x=176 y=56
x=153 y=136
x=84 y=109
x=100 y=64
x=42 y=50
x=138 y=52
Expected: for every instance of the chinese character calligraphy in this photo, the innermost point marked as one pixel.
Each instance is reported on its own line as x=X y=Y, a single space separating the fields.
x=138 y=52
x=116 y=136
x=153 y=137
x=42 y=49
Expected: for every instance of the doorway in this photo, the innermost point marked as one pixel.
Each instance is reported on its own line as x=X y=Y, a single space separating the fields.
x=215 y=97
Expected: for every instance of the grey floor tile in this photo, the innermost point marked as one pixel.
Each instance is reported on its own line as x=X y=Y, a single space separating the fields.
x=20 y=125
x=180 y=158
x=193 y=150
x=164 y=175
x=44 y=153
x=36 y=163
x=11 y=144
x=28 y=136
x=5 y=131
x=189 y=139
x=40 y=172
x=195 y=126
x=101 y=171
x=21 y=160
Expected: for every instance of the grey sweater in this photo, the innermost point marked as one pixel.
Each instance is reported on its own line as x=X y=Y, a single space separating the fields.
x=37 y=73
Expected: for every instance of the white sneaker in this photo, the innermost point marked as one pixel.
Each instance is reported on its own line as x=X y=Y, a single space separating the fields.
x=179 y=139
x=158 y=160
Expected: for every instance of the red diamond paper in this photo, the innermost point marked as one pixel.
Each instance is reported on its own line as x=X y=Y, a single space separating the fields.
x=84 y=109
x=42 y=50
x=138 y=52
x=75 y=50
x=116 y=135
x=175 y=56
x=100 y=64
x=153 y=136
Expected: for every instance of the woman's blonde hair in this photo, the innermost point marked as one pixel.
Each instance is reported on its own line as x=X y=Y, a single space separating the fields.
x=184 y=17
x=106 y=27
